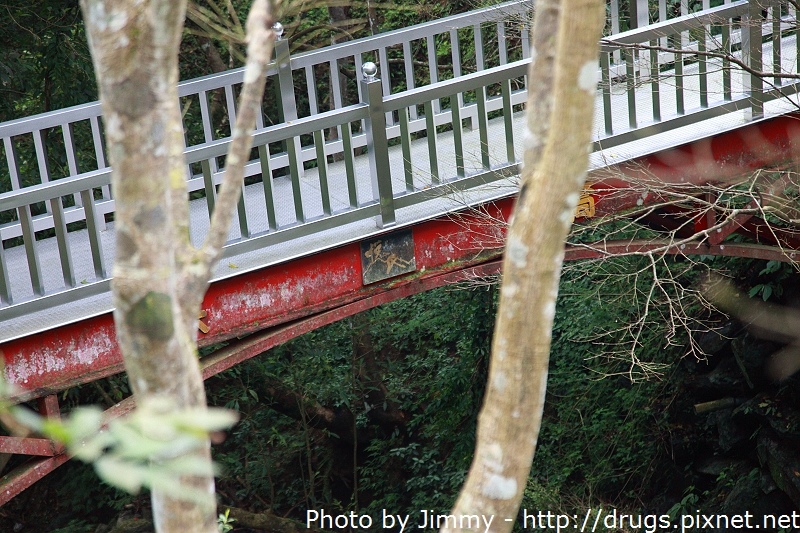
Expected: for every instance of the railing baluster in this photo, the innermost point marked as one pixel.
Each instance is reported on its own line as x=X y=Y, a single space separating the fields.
x=630 y=83
x=349 y=164
x=378 y=146
x=702 y=68
x=684 y=39
x=615 y=29
x=31 y=251
x=311 y=85
x=405 y=146
x=208 y=127
x=408 y=63
x=751 y=55
x=526 y=41
x=502 y=43
x=605 y=81
x=455 y=53
x=5 y=289
x=726 y=62
x=483 y=126
x=430 y=133
x=479 y=58
x=336 y=89
x=266 y=181
x=41 y=160
x=62 y=239
x=41 y=156
x=69 y=146
x=680 y=106
x=288 y=104
x=95 y=243
x=295 y=168
x=793 y=10
x=776 y=43
x=230 y=105
x=208 y=184
x=99 y=152
x=241 y=211
x=385 y=79
x=508 y=119
x=433 y=66
x=458 y=139
x=655 y=83
x=322 y=171
x=97 y=140
x=13 y=164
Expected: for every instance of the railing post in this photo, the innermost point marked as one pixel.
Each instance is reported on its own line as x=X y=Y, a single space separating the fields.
x=639 y=15
x=377 y=145
x=288 y=101
x=752 y=57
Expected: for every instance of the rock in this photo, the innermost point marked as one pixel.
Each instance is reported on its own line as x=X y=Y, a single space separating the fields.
x=753 y=352
x=747 y=495
x=713 y=341
x=772 y=412
x=731 y=433
x=714 y=466
x=781 y=458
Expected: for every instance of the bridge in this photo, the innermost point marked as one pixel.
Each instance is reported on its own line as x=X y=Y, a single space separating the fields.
x=382 y=188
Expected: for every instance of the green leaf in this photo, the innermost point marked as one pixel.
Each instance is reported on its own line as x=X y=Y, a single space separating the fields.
x=767 y=292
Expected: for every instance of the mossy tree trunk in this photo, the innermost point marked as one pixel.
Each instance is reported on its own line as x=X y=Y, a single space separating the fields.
x=554 y=170
x=159 y=277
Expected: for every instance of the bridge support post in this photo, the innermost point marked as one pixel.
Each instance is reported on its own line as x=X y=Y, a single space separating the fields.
x=377 y=145
x=288 y=100
x=752 y=56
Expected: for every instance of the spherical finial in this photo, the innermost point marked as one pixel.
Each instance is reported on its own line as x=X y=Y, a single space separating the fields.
x=278 y=29
x=369 y=69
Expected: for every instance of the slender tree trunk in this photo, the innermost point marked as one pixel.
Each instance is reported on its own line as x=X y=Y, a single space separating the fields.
x=509 y=422
x=159 y=277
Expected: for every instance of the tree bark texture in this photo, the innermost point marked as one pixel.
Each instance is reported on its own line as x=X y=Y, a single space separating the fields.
x=508 y=425
x=159 y=277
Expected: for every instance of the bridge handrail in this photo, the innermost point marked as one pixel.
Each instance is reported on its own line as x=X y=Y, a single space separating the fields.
x=680 y=24
x=52 y=119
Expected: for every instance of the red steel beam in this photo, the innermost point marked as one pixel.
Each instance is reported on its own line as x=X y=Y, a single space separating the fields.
x=30 y=446
x=26 y=475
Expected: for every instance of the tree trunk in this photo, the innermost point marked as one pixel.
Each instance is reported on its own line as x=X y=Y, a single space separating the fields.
x=159 y=277
x=509 y=422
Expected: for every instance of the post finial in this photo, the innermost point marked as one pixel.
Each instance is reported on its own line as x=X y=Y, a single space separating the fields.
x=278 y=29
x=369 y=69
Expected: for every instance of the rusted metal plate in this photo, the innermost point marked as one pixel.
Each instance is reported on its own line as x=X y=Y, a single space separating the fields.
x=387 y=256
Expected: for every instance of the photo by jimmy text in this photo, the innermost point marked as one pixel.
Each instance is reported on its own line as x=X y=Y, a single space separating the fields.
x=426 y=519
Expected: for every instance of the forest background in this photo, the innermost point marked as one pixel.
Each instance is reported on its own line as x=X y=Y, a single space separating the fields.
x=378 y=411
